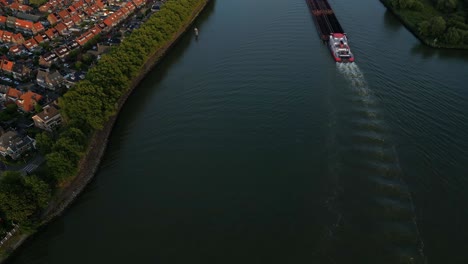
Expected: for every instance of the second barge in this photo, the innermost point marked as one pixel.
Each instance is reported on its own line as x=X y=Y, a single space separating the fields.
x=330 y=30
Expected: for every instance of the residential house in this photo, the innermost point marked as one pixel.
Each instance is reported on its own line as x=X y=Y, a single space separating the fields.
x=21 y=71
x=130 y=7
x=39 y=39
x=48 y=119
x=71 y=10
x=48 y=80
x=6 y=66
x=52 y=18
x=39 y=27
x=31 y=44
x=10 y=22
x=62 y=52
x=73 y=45
x=61 y=29
x=63 y=14
x=12 y=95
x=76 y=19
x=45 y=7
x=16 y=7
x=25 y=26
x=138 y=3
x=28 y=100
x=7 y=36
x=18 y=39
x=51 y=33
x=68 y=23
x=14 y=145
x=78 y=5
x=15 y=50
x=47 y=59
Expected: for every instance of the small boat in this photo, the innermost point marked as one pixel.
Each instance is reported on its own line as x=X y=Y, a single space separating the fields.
x=338 y=44
x=195 y=30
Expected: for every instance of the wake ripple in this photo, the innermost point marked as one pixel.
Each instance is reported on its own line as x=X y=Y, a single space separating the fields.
x=377 y=207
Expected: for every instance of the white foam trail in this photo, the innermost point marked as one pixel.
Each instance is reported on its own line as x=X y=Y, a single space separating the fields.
x=355 y=77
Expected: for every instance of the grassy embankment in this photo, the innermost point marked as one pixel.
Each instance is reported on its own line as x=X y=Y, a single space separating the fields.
x=90 y=110
x=437 y=23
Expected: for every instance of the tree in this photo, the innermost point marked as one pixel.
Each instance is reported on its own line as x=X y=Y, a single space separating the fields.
x=437 y=26
x=425 y=28
x=16 y=201
x=44 y=142
x=40 y=190
x=60 y=166
x=37 y=108
x=452 y=36
x=447 y=5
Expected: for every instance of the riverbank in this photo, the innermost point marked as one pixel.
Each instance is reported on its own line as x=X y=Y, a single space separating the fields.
x=411 y=19
x=89 y=164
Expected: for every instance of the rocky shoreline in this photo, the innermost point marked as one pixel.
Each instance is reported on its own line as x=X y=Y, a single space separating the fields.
x=89 y=165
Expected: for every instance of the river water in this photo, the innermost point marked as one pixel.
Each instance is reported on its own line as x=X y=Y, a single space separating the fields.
x=250 y=145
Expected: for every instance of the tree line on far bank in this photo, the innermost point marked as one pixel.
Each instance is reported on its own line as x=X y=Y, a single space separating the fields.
x=441 y=22
x=86 y=108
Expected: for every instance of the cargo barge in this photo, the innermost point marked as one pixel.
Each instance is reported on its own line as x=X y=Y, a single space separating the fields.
x=330 y=30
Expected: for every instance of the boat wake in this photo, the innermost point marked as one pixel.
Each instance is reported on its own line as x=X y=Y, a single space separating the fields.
x=376 y=206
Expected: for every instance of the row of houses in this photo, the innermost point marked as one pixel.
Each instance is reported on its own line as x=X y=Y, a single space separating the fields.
x=21 y=25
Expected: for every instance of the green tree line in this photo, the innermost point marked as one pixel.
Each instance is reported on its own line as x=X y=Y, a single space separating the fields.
x=440 y=22
x=86 y=108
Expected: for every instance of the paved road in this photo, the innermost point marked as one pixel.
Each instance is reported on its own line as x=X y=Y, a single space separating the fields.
x=25 y=168
x=32 y=165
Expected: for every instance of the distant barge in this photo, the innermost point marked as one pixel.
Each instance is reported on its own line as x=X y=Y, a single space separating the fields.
x=330 y=30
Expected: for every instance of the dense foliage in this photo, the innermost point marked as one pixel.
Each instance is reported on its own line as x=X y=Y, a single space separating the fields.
x=441 y=23
x=86 y=108
x=21 y=197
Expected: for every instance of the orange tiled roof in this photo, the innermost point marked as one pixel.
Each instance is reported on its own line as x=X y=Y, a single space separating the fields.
x=71 y=9
x=60 y=27
x=30 y=43
x=64 y=14
x=78 y=5
x=29 y=99
x=25 y=24
x=100 y=4
x=18 y=37
x=18 y=6
x=38 y=26
x=76 y=19
x=39 y=38
x=7 y=65
x=95 y=30
x=3 y=19
x=130 y=6
x=52 y=18
x=12 y=92
x=51 y=33
x=137 y=3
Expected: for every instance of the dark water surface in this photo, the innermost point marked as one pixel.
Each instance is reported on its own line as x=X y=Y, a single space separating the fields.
x=251 y=145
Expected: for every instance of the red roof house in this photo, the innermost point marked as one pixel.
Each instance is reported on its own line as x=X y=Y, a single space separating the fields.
x=28 y=100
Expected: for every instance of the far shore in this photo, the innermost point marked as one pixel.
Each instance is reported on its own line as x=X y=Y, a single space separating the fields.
x=414 y=30
x=89 y=165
